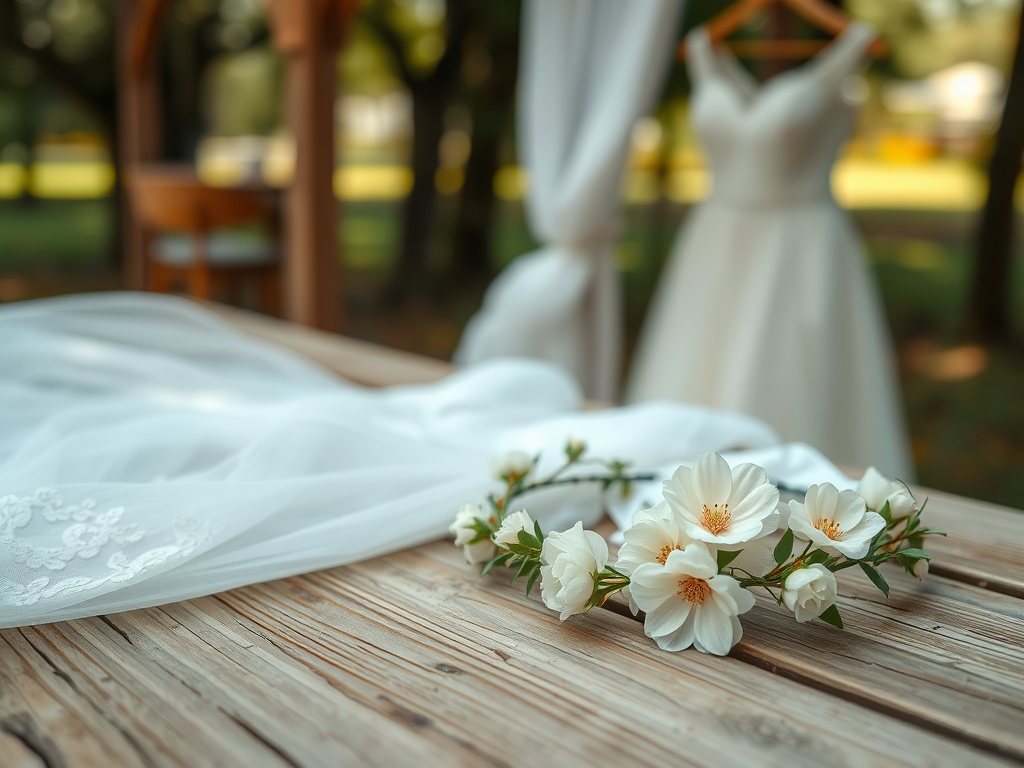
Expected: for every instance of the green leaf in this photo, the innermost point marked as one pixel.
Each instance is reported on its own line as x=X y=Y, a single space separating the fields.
x=917 y=554
x=931 y=532
x=816 y=556
x=537 y=530
x=784 y=548
x=530 y=581
x=521 y=549
x=886 y=513
x=724 y=557
x=831 y=616
x=499 y=560
x=525 y=569
x=876 y=578
x=528 y=539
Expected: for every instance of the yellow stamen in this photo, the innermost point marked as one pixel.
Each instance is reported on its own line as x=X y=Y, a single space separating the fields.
x=715 y=519
x=665 y=552
x=694 y=590
x=830 y=528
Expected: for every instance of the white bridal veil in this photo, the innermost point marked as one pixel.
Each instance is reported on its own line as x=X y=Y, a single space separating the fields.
x=149 y=453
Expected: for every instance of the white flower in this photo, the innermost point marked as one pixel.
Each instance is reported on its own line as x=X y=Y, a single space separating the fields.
x=654 y=534
x=809 y=591
x=921 y=569
x=464 y=531
x=689 y=603
x=570 y=562
x=722 y=506
x=511 y=466
x=837 y=522
x=877 y=489
x=508 y=533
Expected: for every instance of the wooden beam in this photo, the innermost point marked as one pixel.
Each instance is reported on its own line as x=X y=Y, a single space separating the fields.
x=310 y=32
x=139 y=135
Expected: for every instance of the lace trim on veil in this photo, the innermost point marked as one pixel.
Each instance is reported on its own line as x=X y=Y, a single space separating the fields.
x=88 y=533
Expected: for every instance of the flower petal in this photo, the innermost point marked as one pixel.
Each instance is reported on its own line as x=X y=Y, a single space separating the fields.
x=731 y=597
x=849 y=509
x=712 y=629
x=874 y=487
x=649 y=535
x=712 y=479
x=746 y=478
x=599 y=547
x=667 y=617
x=660 y=511
x=679 y=640
x=679 y=495
x=825 y=504
x=695 y=560
x=651 y=585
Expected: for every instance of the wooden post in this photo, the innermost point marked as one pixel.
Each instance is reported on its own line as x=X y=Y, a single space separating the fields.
x=139 y=137
x=309 y=32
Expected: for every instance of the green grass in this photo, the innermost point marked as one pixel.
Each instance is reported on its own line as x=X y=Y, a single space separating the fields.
x=55 y=235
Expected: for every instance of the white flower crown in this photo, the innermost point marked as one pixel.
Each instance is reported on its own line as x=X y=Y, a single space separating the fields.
x=690 y=562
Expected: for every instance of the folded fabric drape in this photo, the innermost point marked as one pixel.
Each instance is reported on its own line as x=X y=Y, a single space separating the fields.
x=149 y=453
x=589 y=69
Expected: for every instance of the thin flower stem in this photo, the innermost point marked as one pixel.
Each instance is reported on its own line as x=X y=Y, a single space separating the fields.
x=555 y=481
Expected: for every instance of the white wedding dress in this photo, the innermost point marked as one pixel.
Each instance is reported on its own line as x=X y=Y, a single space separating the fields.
x=766 y=307
x=150 y=453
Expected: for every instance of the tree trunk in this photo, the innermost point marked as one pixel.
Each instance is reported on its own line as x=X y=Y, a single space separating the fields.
x=491 y=109
x=988 y=310
x=431 y=96
x=429 y=101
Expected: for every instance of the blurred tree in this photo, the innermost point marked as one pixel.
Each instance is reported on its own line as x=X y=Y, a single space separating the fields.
x=489 y=73
x=989 y=307
x=69 y=44
x=425 y=40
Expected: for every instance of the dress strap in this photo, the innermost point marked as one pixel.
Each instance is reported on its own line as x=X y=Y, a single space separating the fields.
x=847 y=51
x=700 y=58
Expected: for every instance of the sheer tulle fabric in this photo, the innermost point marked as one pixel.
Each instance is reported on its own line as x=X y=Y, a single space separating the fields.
x=149 y=453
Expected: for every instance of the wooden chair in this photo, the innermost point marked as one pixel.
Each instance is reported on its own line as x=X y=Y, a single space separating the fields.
x=171 y=199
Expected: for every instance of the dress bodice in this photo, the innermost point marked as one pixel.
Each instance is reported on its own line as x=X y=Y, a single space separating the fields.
x=773 y=144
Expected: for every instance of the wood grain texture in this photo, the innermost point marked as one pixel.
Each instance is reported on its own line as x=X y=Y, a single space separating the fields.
x=985 y=545
x=412 y=658
x=941 y=654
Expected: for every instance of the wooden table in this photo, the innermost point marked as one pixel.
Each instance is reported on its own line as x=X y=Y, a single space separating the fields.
x=412 y=659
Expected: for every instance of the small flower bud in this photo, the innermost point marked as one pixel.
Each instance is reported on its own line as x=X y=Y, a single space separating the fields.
x=809 y=591
x=508 y=533
x=575 y=448
x=511 y=466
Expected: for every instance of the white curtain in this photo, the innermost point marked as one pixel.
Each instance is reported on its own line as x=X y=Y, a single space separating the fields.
x=589 y=69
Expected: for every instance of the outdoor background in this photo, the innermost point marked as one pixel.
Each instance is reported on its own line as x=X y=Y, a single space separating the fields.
x=427 y=90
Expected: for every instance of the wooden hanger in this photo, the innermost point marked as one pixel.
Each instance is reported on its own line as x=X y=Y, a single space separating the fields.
x=822 y=15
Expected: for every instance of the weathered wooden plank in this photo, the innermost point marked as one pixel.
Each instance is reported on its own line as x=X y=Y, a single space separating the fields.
x=195 y=692
x=414 y=655
x=942 y=654
x=511 y=673
x=985 y=545
x=40 y=707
